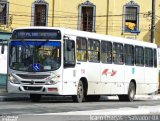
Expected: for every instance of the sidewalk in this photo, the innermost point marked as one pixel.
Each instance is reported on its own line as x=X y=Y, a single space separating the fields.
x=4 y=96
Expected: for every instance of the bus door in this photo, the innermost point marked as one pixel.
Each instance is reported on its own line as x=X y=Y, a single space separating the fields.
x=69 y=71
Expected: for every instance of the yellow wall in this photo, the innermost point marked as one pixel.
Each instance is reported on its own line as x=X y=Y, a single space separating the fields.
x=66 y=15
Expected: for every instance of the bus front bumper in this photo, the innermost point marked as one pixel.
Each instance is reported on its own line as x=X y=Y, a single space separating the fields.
x=33 y=89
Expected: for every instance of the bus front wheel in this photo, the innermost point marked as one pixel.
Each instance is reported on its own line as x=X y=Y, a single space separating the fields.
x=131 y=93
x=80 y=93
x=35 y=97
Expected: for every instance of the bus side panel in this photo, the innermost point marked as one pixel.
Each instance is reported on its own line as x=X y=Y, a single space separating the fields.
x=151 y=80
x=129 y=75
x=113 y=75
x=139 y=73
x=93 y=77
x=69 y=81
x=106 y=78
x=117 y=81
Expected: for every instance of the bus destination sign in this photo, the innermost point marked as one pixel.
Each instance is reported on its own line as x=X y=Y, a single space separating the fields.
x=36 y=34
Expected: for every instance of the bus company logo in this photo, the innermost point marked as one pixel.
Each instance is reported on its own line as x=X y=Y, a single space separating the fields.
x=108 y=72
x=32 y=82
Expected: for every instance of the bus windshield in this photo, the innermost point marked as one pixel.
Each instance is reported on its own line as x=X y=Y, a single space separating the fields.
x=35 y=55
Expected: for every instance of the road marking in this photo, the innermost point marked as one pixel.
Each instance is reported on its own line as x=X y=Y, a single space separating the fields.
x=141 y=110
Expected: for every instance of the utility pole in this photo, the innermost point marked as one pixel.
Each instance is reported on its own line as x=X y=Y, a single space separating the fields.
x=153 y=22
x=53 y=3
x=107 y=19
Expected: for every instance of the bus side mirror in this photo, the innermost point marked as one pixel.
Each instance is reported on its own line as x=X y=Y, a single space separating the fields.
x=2 y=49
x=2 y=46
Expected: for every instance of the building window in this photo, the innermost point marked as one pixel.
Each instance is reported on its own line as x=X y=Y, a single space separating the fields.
x=87 y=13
x=131 y=17
x=40 y=13
x=3 y=12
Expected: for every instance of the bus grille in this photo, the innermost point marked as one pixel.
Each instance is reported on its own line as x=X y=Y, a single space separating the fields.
x=28 y=88
x=25 y=76
x=31 y=83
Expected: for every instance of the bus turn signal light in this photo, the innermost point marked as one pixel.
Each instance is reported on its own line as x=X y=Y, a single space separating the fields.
x=52 y=89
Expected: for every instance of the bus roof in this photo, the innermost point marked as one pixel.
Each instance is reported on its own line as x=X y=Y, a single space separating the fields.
x=109 y=38
x=92 y=35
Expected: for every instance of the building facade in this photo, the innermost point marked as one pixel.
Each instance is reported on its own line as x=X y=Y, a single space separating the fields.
x=123 y=18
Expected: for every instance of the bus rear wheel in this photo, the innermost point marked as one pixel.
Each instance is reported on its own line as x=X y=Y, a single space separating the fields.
x=35 y=97
x=80 y=93
x=131 y=93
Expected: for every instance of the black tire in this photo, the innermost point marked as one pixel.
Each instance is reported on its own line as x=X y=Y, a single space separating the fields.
x=92 y=98
x=131 y=93
x=35 y=97
x=122 y=97
x=80 y=93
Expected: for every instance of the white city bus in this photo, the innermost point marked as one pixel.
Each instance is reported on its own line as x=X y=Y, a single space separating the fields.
x=84 y=65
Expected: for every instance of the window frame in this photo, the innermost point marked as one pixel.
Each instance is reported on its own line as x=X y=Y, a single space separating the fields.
x=39 y=2
x=6 y=14
x=86 y=4
x=131 y=4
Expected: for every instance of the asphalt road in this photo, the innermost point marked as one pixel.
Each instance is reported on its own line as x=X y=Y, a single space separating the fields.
x=25 y=110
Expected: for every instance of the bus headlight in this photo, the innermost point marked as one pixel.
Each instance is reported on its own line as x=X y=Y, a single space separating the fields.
x=51 y=82
x=13 y=80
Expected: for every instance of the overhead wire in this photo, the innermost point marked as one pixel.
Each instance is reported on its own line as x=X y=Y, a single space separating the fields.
x=71 y=16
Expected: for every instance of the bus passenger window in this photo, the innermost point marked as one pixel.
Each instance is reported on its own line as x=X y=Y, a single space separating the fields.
x=155 y=58
x=69 y=53
x=81 y=53
x=106 y=52
x=93 y=50
x=129 y=54
x=139 y=56
x=148 y=57
x=117 y=53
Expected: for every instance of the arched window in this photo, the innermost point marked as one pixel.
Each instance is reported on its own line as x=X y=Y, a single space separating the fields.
x=131 y=17
x=40 y=13
x=3 y=12
x=87 y=13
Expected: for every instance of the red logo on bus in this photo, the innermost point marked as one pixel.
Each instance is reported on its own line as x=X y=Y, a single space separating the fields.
x=107 y=72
